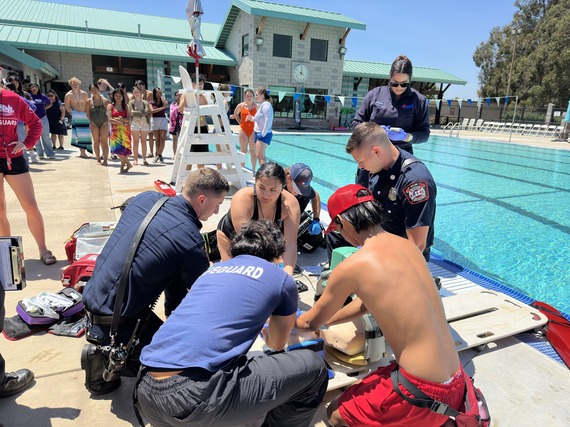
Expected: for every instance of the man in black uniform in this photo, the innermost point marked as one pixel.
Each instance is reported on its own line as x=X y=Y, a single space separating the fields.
x=169 y=258
x=400 y=182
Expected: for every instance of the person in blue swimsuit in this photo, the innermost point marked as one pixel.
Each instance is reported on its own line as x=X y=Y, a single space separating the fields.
x=196 y=370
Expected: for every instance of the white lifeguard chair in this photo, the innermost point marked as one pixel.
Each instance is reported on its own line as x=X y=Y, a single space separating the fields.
x=229 y=158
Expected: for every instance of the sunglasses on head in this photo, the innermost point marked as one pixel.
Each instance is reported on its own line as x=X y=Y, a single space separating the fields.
x=401 y=84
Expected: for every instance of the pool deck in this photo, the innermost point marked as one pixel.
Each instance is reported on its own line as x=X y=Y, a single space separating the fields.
x=523 y=386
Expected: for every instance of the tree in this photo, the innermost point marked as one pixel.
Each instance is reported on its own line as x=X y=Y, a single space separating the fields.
x=536 y=44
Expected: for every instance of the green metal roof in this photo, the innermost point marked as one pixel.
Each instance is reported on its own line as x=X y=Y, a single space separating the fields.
x=63 y=16
x=296 y=13
x=28 y=60
x=101 y=44
x=287 y=12
x=381 y=70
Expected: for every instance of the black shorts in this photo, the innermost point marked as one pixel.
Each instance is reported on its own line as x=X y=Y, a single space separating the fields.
x=19 y=165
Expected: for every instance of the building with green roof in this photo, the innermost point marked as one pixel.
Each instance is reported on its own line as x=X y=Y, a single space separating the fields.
x=296 y=52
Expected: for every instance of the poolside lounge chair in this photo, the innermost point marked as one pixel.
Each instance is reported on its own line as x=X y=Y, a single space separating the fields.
x=464 y=124
x=542 y=130
x=499 y=127
x=533 y=130
x=525 y=128
x=557 y=132
x=550 y=131
x=478 y=124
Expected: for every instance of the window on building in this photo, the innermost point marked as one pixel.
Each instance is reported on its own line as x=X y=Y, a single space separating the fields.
x=245 y=45
x=282 y=45
x=313 y=106
x=319 y=50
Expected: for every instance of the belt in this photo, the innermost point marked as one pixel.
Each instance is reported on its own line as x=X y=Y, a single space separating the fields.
x=95 y=319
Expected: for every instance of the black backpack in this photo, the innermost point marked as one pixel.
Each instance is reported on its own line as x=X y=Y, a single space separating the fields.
x=305 y=241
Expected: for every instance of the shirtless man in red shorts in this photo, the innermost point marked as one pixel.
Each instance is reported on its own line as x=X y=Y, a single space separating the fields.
x=393 y=282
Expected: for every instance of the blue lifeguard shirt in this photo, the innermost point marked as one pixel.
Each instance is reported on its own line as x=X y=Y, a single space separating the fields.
x=222 y=315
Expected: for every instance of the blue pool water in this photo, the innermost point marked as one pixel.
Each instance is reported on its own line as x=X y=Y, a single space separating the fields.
x=502 y=209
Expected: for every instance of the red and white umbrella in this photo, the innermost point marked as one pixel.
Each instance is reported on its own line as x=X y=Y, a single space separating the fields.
x=193 y=12
x=195 y=49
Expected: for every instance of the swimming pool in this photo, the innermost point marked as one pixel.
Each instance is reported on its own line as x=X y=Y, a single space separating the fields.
x=502 y=209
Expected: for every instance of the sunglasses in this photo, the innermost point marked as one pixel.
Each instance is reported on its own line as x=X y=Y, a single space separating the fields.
x=402 y=84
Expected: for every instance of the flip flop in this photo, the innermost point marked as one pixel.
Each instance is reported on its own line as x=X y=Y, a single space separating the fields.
x=47 y=257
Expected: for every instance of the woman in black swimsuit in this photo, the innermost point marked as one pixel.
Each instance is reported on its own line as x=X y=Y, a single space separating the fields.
x=265 y=200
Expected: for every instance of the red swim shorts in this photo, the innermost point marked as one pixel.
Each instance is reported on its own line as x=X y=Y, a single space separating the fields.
x=373 y=402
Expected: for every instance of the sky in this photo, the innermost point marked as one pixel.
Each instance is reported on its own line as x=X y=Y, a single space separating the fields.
x=440 y=34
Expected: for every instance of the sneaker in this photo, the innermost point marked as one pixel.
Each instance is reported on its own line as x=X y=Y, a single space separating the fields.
x=51 y=157
x=160 y=159
x=114 y=157
x=93 y=362
x=156 y=159
x=34 y=157
x=15 y=382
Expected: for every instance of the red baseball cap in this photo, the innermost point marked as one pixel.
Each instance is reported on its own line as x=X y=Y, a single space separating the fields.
x=343 y=199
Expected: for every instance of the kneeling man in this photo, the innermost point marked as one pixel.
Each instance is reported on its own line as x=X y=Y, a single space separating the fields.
x=196 y=370
x=393 y=282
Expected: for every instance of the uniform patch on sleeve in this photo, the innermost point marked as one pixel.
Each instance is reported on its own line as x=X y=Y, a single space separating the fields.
x=417 y=192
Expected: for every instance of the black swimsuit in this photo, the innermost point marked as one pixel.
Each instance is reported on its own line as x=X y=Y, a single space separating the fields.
x=226 y=225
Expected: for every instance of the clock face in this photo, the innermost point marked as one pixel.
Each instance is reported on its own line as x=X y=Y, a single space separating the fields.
x=301 y=73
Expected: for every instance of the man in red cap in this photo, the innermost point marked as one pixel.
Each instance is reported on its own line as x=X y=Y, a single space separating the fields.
x=392 y=281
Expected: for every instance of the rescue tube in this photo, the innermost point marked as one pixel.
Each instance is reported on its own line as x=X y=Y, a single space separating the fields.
x=557 y=330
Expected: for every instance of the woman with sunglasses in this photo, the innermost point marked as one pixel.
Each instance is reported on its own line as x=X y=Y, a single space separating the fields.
x=399 y=107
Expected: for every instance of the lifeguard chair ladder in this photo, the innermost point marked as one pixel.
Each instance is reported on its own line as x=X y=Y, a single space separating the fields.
x=229 y=158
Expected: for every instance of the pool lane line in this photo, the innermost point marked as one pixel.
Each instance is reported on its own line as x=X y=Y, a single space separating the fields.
x=427 y=162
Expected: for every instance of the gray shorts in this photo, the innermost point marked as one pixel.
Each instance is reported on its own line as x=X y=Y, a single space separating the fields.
x=159 y=123
x=286 y=389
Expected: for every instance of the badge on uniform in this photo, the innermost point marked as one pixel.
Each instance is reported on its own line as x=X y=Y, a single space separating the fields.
x=392 y=194
x=417 y=192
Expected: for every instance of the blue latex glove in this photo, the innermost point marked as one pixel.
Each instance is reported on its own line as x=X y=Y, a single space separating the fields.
x=397 y=135
x=314 y=227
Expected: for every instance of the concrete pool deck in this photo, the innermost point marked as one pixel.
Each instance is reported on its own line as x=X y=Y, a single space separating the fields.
x=523 y=387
